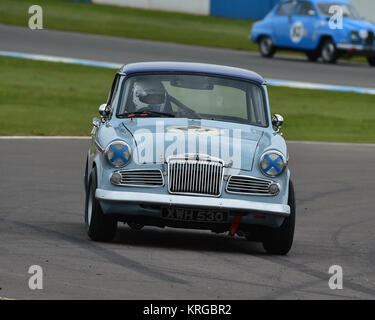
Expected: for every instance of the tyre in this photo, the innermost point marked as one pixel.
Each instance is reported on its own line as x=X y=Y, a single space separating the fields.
x=266 y=47
x=328 y=51
x=99 y=227
x=371 y=61
x=279 y=241
x=313 y=56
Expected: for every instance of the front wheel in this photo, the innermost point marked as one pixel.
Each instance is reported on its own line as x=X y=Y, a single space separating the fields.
x=99 y=226
x=371 y=61
x=279 y=241
x=266 y=47
x=329 y=52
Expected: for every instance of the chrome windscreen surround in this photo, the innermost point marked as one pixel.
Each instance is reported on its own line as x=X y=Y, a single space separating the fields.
x=240 y=184
x=148 y=178
x=195 y=174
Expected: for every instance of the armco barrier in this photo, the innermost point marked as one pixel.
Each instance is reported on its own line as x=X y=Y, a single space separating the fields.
x=240 y=9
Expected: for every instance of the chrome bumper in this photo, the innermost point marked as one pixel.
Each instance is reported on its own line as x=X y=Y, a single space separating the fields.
x=355 y=47
x=192 y=201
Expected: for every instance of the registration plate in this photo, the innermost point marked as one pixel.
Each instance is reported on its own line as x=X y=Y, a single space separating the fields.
x=198 y=215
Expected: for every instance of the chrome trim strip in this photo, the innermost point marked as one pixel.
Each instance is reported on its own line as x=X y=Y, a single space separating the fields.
x=186 y=201
x=99 y=147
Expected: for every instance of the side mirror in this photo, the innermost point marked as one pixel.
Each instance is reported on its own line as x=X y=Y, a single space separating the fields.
x=277 y=122
x=103 y=110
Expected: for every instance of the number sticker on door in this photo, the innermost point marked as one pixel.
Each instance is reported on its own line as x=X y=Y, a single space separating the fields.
x=297 y=32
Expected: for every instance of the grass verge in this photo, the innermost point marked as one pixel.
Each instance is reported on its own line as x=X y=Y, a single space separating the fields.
x=45 y=98
x=133 y=23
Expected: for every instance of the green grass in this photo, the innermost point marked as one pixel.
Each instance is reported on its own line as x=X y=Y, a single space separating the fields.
x=132 y=23
x=45 y=98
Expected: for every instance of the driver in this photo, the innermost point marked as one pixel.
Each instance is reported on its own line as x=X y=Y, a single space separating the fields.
x=149 y=94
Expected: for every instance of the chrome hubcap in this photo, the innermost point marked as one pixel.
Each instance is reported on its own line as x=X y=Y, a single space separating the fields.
x=328 y=51
x=266 y=45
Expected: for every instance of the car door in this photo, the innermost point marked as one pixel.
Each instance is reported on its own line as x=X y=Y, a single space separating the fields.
x=302 y=32
x=282 y=23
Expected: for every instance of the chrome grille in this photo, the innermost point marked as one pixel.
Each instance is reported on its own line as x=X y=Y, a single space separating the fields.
x=141 y=178
x=199 y=177
x=248 y=185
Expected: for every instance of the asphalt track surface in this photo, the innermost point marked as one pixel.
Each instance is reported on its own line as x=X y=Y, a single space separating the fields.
x=41 y=222
x=119 y=50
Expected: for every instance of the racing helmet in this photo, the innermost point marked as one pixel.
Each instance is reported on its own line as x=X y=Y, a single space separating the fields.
x=149 y=94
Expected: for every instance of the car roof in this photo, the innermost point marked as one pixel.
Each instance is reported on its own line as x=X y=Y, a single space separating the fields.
x=188 y=67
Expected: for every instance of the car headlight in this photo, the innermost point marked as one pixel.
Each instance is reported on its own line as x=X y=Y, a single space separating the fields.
x=118 y=154
x=363 y=34
x=272 y=163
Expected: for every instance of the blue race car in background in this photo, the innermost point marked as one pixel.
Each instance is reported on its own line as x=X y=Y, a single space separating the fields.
x=305 y=26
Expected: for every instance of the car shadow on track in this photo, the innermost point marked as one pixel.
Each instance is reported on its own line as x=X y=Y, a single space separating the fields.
x=186 y=240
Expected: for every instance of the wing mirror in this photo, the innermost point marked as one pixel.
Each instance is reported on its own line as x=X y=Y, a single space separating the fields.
x=277 y=122
x=103 y=110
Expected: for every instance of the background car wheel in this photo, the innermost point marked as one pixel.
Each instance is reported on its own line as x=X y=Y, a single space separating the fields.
x=329 y=52
x=279 y=241
x=266 y=47
x=99 y=226
x=371 y=61
x=313 y=56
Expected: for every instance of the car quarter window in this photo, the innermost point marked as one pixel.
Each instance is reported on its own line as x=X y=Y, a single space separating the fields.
x=286 y=8
x=305 y=8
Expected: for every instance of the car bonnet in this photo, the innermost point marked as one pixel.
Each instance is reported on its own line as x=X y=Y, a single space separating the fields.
x=156 y=139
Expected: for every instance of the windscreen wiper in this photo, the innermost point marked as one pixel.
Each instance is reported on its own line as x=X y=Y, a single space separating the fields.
x=146 y=113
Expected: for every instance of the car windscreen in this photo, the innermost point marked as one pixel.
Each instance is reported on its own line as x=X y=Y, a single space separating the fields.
x=194 y=96
x=348 y=11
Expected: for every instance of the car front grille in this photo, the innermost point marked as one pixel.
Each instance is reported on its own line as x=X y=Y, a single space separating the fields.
x=187 y=175
x=248 y=185
x=370 y=39
x=141 y=178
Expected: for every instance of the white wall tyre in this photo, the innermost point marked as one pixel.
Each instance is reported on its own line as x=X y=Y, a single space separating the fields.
x=99 y=227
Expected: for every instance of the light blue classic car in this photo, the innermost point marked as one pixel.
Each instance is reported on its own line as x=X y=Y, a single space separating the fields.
x=190 y=145
x=321 y=28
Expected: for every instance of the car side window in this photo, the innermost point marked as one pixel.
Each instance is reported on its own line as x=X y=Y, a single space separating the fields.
x=286 y=9
x=305 y=8
x=112 y=93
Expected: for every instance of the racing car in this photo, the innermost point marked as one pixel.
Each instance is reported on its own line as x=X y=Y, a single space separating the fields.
x=320 y=28
x=189 y=145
